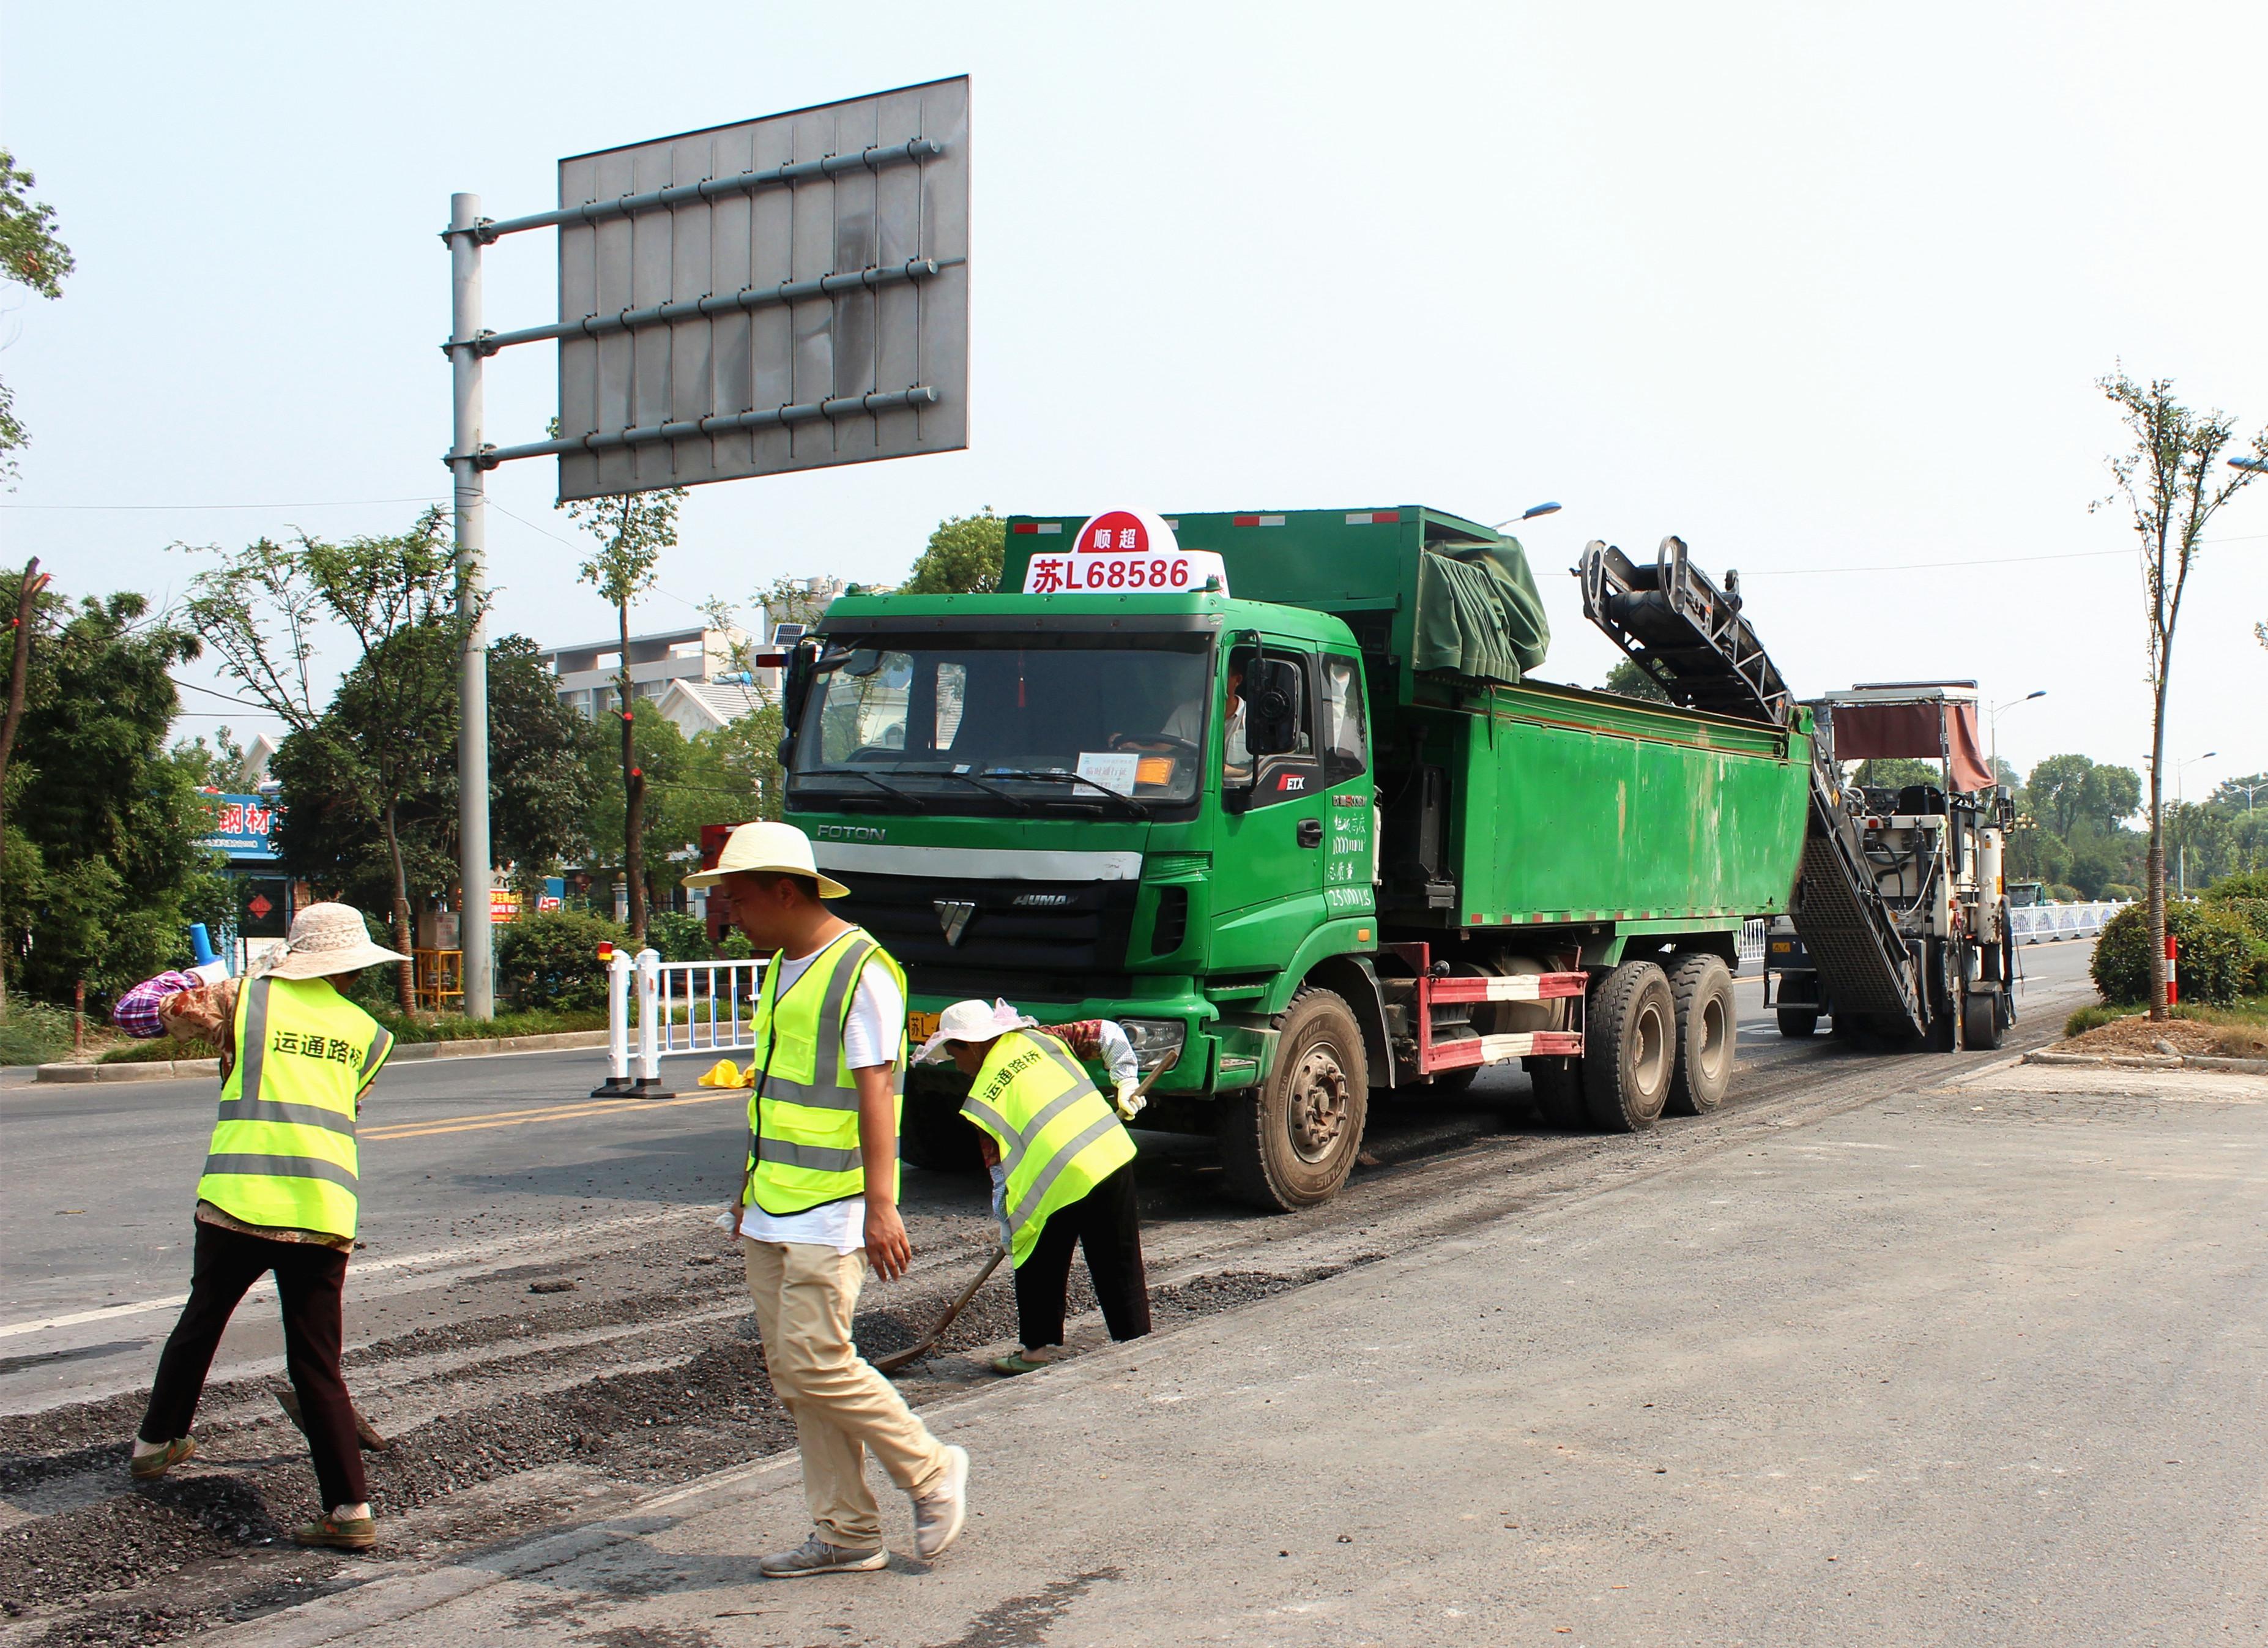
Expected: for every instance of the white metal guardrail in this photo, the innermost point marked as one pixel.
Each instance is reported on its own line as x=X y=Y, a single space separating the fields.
x=2048 y=923
x=1750 y=945
x=681 y=1007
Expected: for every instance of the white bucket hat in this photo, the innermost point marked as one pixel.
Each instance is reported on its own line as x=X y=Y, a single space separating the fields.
x=326 y=939
x=780 y=848
x=973 y=1021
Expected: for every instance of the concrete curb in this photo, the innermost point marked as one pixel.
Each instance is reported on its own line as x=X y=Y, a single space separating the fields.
x=2152 y=1062
x=172 y=1070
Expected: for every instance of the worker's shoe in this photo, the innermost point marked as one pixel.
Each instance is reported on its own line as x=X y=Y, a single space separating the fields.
x=939 y=1513
x=815 y=1555
x=338 y=1534
x=148 y=1467
x=1030 y=1359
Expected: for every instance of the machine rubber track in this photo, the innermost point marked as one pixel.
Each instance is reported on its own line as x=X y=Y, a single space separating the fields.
x=1689 y=637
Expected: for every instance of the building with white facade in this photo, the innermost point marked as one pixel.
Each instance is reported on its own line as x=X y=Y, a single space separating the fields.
x=588 y=672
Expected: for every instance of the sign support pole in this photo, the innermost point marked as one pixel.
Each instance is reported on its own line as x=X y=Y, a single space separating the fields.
x=475 y=929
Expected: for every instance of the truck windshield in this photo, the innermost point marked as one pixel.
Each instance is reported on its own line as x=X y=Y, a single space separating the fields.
x=1006 y=723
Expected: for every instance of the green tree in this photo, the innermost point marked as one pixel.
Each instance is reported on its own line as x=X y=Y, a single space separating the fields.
x=1633 y=683
x=262 y=608
x=2110 y=796
x=103 y=869
x=32 y=256
x=2173 y=483
x=963 y=557
x=687 y=784
x=2057 y=792
x=1896 y=773
x=632 y=530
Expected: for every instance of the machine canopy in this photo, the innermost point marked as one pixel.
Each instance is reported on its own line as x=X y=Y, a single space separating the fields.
x=1926 y=721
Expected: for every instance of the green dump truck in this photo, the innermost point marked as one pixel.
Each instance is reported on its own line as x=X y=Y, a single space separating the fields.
x=1277 y=792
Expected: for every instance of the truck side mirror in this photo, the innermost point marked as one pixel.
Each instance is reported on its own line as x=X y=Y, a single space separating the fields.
x=1275 y=707
x=803 y=663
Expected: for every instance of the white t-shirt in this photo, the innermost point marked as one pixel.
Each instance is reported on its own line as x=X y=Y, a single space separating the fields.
x=870 y=1037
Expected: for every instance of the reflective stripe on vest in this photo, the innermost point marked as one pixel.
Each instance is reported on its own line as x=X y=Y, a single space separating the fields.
x=283 y=1150
x=1059 y=1136
x=803 y=1116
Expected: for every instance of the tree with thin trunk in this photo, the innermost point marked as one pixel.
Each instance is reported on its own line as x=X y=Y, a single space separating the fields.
x=2172 y=481
x=261 y=609
x=632 y=530
x=30 y=256
x=20 y=668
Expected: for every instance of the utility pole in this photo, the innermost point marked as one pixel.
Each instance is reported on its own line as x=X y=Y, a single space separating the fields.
x=474 y=932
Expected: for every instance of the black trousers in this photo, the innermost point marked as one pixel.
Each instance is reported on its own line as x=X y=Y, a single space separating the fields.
x=308 y=1279
x=1107 y=1224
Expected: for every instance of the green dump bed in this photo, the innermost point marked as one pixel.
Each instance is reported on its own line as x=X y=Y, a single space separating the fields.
x=1505 y=801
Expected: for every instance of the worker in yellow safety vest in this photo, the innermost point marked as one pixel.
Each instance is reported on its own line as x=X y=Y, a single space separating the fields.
x=280 y=1191
x=818 y=1203
x=1062 y=1162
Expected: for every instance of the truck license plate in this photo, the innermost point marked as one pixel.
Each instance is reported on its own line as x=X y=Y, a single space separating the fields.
x=920 y=1027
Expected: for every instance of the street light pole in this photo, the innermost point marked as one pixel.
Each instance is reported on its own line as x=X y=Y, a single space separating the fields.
x=1996 y=708
x=2182 y=852
x=470 y=501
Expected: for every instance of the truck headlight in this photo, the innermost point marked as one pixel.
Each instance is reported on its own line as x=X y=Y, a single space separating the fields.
x=1153 y=1038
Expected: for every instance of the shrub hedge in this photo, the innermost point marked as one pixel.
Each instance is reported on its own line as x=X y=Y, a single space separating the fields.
x=550 y=962
x=2222 y=961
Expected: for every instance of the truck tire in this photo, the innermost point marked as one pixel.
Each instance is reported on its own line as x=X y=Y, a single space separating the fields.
x=1630 y=1049
x=1708 y=1033
x=932 y=1135
x=1980 y=1022
x=1291 y=1143
x=1798 y=1022
x=1558 y=1084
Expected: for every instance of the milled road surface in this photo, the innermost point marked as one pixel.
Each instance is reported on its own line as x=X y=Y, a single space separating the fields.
x=514 y=1410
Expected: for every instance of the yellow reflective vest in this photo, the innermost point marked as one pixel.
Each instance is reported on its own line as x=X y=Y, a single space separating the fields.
x=1059 y=1136
x=283 y=1150
x=803 y=1115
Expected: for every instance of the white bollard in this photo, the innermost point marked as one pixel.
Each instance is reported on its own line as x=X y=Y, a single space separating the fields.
x=649 y=997
x=618 y=1083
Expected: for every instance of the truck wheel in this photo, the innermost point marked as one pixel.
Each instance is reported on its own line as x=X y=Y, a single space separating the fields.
x=1632 y=1049
x=1708 y=1029
x=1558 y=1084
x=1292 y=1141
x=932 y=1134
x=1980 y=1022
x=1797 y=1023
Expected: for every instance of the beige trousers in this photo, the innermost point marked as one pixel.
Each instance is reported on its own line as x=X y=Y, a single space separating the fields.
x=843 y=1409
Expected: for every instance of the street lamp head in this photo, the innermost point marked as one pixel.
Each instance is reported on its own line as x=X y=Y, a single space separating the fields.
x=1528 y=513
x=2041 y=694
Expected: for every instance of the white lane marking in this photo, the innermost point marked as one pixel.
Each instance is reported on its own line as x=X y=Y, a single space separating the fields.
x=493 y=1254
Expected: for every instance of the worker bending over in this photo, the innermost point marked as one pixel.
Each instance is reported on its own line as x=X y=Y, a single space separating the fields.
x=1062 y=1164
x=819 y=1201
x=279 y=1191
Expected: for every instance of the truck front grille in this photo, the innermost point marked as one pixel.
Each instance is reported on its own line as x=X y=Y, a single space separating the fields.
x=1021 y=940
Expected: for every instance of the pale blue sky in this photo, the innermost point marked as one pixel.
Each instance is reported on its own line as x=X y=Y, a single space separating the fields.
x=1817 y=287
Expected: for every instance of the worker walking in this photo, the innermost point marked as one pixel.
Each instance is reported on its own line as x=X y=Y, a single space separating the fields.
x=819 y=1201
x=1062 y=1164
x=279 y=1192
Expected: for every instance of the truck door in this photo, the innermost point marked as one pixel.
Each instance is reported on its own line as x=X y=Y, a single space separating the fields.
x=1267 y=884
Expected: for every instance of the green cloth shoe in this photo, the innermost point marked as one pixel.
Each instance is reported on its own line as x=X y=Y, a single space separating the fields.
x=1026 y=1360
x=151 y=1467
x=359 y=1534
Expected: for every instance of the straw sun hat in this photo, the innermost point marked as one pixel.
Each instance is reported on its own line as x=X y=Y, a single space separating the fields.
x=771 y=848
x=326 y=939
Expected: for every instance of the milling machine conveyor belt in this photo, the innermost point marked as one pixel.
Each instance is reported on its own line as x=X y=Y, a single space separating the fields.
x=1689 y=637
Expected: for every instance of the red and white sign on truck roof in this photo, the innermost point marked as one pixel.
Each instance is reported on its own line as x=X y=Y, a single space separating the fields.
x=1124 y=551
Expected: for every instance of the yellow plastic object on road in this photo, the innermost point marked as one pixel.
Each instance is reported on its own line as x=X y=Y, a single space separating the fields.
x=725 y=1073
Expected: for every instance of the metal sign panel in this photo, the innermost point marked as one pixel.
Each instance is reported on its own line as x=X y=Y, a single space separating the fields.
x=782 y=294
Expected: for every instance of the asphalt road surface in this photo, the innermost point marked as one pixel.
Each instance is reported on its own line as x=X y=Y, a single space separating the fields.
x=544 y=1317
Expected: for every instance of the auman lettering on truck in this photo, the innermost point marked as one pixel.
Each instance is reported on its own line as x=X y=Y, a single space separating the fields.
x=1280 y=795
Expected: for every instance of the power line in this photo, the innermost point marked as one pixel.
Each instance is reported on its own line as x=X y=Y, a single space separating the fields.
x=320 y=503
x=2009 y=560
x=193 y=687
